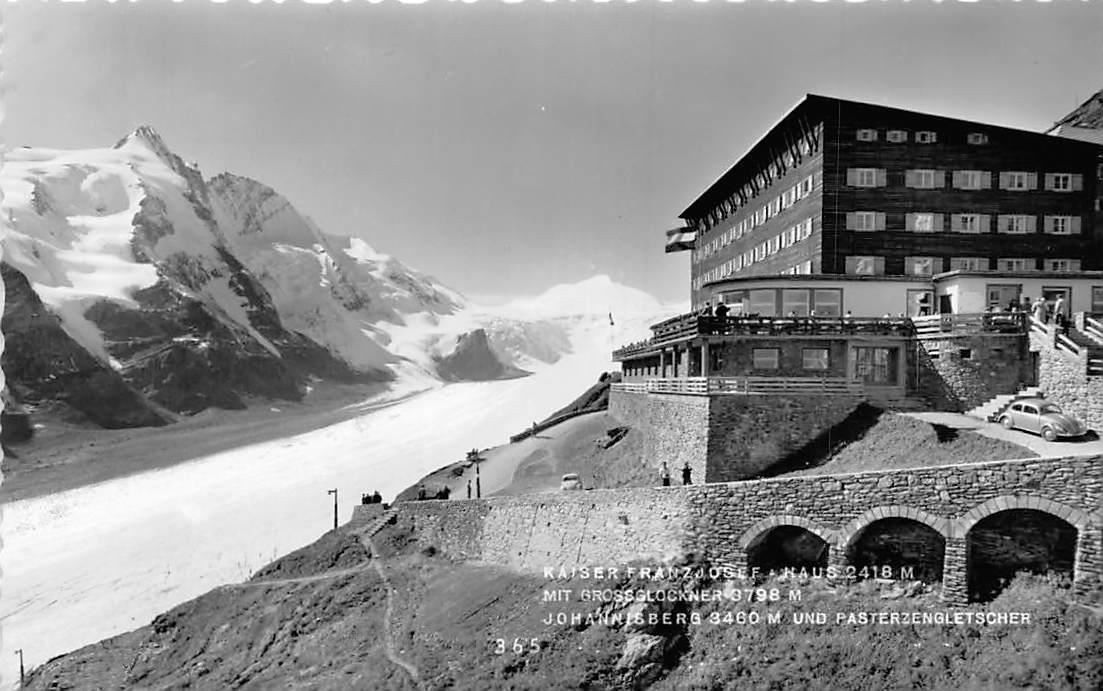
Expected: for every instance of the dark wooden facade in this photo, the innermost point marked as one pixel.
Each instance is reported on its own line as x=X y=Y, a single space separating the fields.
x=820 y=138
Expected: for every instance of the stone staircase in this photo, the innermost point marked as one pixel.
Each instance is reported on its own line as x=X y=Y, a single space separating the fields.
x=991 y=410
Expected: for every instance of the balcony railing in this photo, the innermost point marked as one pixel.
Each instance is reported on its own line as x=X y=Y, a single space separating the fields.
x=745 y=385
x=689 y=326
x=988 y=322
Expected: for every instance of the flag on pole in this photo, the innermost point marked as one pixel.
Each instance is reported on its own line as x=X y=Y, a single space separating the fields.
x=611 y=319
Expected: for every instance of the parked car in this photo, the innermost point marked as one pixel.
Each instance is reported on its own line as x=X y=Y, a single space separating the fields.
x=570 y=481
x=1041 y=417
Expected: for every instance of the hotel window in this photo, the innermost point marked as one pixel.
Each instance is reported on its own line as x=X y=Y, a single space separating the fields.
x=896 y=136
x=828 y=302
x=806 y=230
x=969 y=223
x=815 y=358
x=867 y=135
x=865 y=266
x=876 y=365
x=1016 y=224
x=865 y=220
x=925 y=179
x=977 y=138
x=763 y=302
x=1018 y=180
x=805 y=267
x=795 y=302
x=926 y=137
x=764 y=358
x=1061 y=225
x=968 y=263
x=971 y=179
x=1064 y=182
x=866 y=177
x=1062 y=265
x=919 y=266
x=923 y=223
x=806 y=186
x=1097 y=298
x=1016 y=264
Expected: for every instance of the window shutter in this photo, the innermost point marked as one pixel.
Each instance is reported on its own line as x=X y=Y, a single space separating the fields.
x=878 y=265
x=1047 y=224
x=1032 y=224
x=851 y=177
x=851 y=221
x=1032 y=181
x=940 y=179
x=955 y=222
x=1003 y=223
x=1005 y=180
x=1050 y=180
x=882 y=177
x=1077 y=182
x=936 y=224
x=909 y=178
x=982 y=223
x=1074 y=225
x=956 y=179
x=909 y=222
x=878 y=221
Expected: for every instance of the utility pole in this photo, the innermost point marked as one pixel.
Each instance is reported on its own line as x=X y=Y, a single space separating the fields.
x=21 y=675
x=334 y=493
x=478 y=479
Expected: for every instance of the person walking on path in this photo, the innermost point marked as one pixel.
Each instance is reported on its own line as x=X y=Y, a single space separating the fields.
x=686 y=474
x=1060 y=314
x=664 y=474
x=1040 y=311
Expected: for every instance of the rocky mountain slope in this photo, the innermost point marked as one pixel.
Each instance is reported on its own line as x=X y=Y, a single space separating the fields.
x=474 y=360
x=138 y=290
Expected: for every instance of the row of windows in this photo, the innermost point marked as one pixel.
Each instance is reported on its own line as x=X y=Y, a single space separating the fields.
x=787 y=238
x=926 y=266
x=763 y=179
x=932 y=179
x=966 y=223
x=921 y=136
x=772 y=208
x=811 y=358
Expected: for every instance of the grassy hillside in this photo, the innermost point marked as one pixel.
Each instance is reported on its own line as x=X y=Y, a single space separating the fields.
x=449 y=625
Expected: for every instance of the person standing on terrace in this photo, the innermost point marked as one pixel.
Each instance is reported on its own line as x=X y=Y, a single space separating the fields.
x=1041 y=312
x=664 y=474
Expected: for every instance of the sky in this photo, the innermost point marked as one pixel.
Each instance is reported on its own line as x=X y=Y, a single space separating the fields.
x=502 y=148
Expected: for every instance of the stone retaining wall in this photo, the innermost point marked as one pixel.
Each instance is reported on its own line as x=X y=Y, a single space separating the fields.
x=720 y=521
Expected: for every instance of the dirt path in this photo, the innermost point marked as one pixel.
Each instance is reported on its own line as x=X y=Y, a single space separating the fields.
x=388 y=641
x=362 y=566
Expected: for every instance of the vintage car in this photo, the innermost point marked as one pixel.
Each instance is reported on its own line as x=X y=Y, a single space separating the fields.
x=570 y=481
x=1041 y=417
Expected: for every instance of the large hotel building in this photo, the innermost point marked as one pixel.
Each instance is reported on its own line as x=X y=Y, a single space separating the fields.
x=844 y=190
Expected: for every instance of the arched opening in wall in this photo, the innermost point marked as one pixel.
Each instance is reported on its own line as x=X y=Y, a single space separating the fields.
x=1007 y=542
x=910 y=550
x=787 y=547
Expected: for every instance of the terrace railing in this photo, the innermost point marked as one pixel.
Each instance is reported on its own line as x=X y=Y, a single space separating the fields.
x=987 y=322
x=745 y=385
x=689 y=326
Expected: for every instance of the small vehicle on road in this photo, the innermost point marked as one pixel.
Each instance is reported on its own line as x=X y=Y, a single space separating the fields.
x=570 y=481
x=1039 y=416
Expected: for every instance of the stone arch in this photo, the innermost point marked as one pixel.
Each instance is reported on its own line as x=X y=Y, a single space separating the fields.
x=1007 y=535
x=787 y=542
x=1076 y=517
x=757 y=531
x=851 y=531
x=911 y=542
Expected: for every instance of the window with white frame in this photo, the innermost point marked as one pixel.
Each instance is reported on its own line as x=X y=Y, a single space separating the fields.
x=970 y=179
x=864 y=265
x=805 y=267
x=896 y=136
x=1062 y=265
x=1061 y=182
x=1061 y=225
x=1016 y=180
x=921 y=179
x=968 y=263
x=919 y=266
x=977 y=138
x=806 y=186
x=1015 y=264
x=764 y=358
x=806 y=231
x=815 y=358
x=867 y=135
x=1016 y=224
x=863 y=177
x=920 y=223
x=925 y=137
x=967 y=223
x=865 y=220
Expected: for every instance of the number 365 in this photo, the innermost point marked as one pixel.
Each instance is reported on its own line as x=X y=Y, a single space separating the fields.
x=518 y=646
